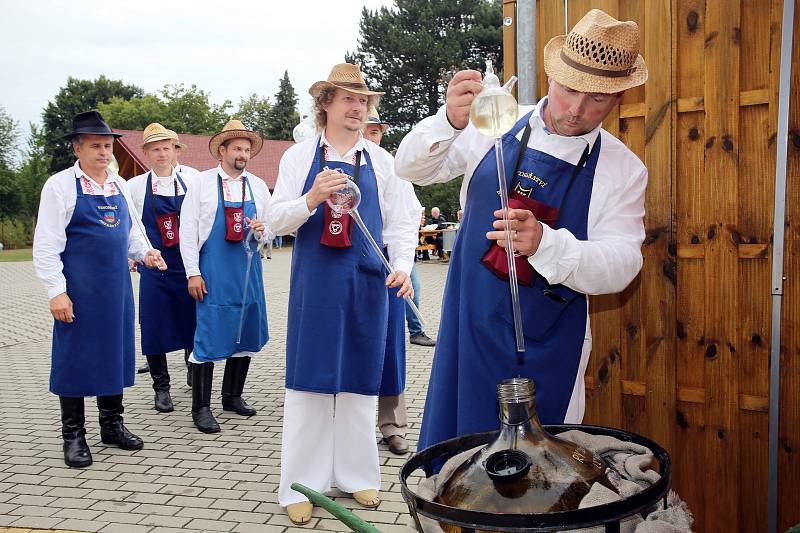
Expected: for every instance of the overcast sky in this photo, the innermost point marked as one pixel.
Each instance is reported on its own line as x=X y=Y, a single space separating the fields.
x=229 y=49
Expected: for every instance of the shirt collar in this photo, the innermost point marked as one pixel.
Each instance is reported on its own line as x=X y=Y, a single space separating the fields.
x=537 y=117
x=224 y=176
x=360 y=145
x=164 y=179
x=110 y=176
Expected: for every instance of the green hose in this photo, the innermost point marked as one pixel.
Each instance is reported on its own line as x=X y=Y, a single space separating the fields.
x=348 y=518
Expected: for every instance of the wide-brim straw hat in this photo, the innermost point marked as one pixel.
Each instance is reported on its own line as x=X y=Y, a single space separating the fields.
x=374 y=118
x=234 y=129
x=156 y=132
x=344 y=76
x=599 y=55
x=178 y=143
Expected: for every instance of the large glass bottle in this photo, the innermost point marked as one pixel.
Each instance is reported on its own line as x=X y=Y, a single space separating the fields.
x=525 y=469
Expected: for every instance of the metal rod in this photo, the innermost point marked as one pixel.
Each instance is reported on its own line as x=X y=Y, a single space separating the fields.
x=527 y=88
x=777 y=259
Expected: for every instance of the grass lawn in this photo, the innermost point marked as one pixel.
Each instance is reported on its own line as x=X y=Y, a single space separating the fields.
x=22 y=254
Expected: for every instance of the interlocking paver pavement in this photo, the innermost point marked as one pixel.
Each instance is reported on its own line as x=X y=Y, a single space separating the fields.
x=182 y=480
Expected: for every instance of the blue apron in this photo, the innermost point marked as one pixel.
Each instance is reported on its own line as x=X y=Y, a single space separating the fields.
x=476 y=348
x=166 y=310
x=393 y=381
x=94 y=355
x=223 y=265
x=338 y=301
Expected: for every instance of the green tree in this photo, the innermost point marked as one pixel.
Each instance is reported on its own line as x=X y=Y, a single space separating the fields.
x=9 y=136
x=441 y=195
x=191 y=111
x=254 y=113
x=283 y=116
x=76 y=97
x=133 y=114
x=411 y=50
x=32 y=174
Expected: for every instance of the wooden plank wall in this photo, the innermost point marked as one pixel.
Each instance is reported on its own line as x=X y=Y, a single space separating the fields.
x=682 y=355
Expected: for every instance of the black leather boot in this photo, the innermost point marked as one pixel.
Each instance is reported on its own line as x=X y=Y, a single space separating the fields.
x=160 y=375
x=202 y=377
x=112 y=431
x=233 y=385
x=186 y=353
x=76 y=451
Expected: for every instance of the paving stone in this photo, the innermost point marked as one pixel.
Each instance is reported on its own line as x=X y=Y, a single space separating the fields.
x=125 y=528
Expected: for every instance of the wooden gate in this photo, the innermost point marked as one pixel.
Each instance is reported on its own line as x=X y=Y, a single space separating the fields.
x=682 y=356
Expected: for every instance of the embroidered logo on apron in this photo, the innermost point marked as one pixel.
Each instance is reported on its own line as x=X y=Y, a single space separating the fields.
x=109 y=217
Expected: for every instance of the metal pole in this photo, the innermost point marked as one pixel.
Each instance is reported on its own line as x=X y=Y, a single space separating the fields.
x=777 y=259
x=526 y=52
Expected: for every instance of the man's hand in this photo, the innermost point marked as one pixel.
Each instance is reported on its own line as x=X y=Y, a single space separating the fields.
x=257 y=225
x=325 y=183
x=197 y=287
x=153 y=259
x=526 y=231
x=401 y=279
x=61 y=308
x=461 y=91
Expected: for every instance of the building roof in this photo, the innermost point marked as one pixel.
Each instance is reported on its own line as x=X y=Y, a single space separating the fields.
x=264 y=165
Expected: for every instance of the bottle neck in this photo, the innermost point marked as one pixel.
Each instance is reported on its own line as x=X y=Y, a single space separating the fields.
x=518 y=421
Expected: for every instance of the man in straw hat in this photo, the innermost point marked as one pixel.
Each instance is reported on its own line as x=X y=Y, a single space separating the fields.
x=576 y=222
x=85 y=233
x=180 y=168
x=338 y=303
x=224 y=207
x=392 y=417
x=166 y=311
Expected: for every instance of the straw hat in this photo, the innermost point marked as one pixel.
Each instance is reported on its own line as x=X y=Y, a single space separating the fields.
x=374 y=118
x=156 y=132
x=178 y=143
x=344 y=76
x=234 y=129
x=600 y=55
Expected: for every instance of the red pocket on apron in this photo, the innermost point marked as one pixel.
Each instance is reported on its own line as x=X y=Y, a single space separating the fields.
x=168 y=227
x=495 y=257
x=337 y=229
x=234 y=224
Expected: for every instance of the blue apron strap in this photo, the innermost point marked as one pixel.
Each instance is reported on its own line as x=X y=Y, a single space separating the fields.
x=78 y=188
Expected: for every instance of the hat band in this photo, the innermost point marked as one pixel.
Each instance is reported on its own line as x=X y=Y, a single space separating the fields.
x=350 y=85
x=597 y=71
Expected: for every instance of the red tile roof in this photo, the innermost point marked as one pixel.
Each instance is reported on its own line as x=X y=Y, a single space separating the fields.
x=264 y=165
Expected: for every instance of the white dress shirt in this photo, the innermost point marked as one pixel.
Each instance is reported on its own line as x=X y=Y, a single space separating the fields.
x=435 y=152
x=400 y=214
x=55 y=212
x=162 y=185
x=185 y=170
x=200 y=208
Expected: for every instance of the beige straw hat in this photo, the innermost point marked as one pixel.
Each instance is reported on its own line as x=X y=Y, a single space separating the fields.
x=374 y=118
x=178 y=143
x=600 y=55
x=156 y=132
x=234 y=129
x=344 y=76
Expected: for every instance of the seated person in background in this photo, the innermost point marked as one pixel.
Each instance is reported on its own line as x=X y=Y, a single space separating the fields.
x=441 y=223
x=459 y=216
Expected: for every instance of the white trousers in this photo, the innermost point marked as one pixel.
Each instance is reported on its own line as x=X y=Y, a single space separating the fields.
x=237 y=354
x=328 y=439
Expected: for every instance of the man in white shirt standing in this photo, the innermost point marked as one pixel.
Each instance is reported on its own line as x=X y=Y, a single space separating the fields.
x=221 y=228
x=84 y=237
x=166 y=310
x=576 y=197
x=338 y=302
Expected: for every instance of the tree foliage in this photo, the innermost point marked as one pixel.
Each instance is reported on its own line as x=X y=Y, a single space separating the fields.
x=76 y=97
x=283 y=116
x=254 y=112
x=441 y=195
x=33 y=172
x=411 y=50
x=9 y=136
x=175 y=107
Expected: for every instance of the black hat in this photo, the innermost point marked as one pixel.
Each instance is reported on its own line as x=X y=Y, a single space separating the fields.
x=90 y=123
